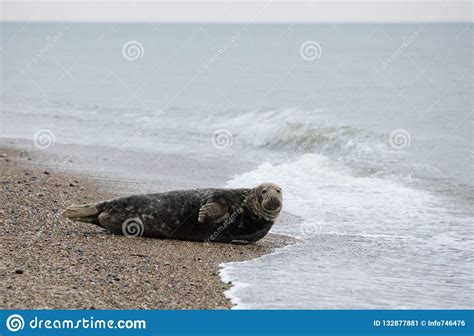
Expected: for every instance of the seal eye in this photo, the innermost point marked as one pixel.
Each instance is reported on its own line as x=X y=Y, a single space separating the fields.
x=264 y=191
x=278 y=191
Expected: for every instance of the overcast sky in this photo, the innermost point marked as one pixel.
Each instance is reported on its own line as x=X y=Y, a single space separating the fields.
x=238 y=11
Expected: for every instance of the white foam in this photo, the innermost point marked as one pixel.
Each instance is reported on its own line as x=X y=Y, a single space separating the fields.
x=331 y=195
x=337 y=201
x=232 y=292
x=226 y=271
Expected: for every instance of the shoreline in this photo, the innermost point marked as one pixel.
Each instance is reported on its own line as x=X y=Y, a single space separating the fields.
x=51 y=262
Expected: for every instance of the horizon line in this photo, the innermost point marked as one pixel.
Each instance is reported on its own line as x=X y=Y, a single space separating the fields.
x=237 y=22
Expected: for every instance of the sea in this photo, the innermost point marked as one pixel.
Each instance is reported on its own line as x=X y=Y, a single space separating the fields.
x=366 y=127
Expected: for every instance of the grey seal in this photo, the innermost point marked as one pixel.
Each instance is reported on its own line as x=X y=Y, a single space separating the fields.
x=222 y=215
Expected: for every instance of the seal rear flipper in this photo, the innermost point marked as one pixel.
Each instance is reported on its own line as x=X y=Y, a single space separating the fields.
x=213 y=212
x=88 y=213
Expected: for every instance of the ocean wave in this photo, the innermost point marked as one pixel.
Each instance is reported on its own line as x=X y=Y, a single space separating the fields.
x=303 y=131
x=335 y=196
x=348 y=222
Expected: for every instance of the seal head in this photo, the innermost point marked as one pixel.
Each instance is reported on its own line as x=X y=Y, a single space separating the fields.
x=266 y=201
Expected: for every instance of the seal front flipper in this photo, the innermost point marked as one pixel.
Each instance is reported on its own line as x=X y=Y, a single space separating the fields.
x=213 y=212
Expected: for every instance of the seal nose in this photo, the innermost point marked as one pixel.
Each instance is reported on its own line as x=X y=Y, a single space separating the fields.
x=273 y=203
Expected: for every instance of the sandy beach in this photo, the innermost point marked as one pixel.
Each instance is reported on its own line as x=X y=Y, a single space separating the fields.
x=52 y=263
x=371 y=148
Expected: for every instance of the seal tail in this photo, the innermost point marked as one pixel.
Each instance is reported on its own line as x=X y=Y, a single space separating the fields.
x=88 y=213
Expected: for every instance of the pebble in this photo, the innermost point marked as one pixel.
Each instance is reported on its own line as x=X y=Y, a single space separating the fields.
x=54 y=261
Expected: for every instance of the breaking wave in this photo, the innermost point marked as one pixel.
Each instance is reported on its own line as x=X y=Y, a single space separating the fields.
x=303 y=131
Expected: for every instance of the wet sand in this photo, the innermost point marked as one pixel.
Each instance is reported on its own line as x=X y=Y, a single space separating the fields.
x=52 y=263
